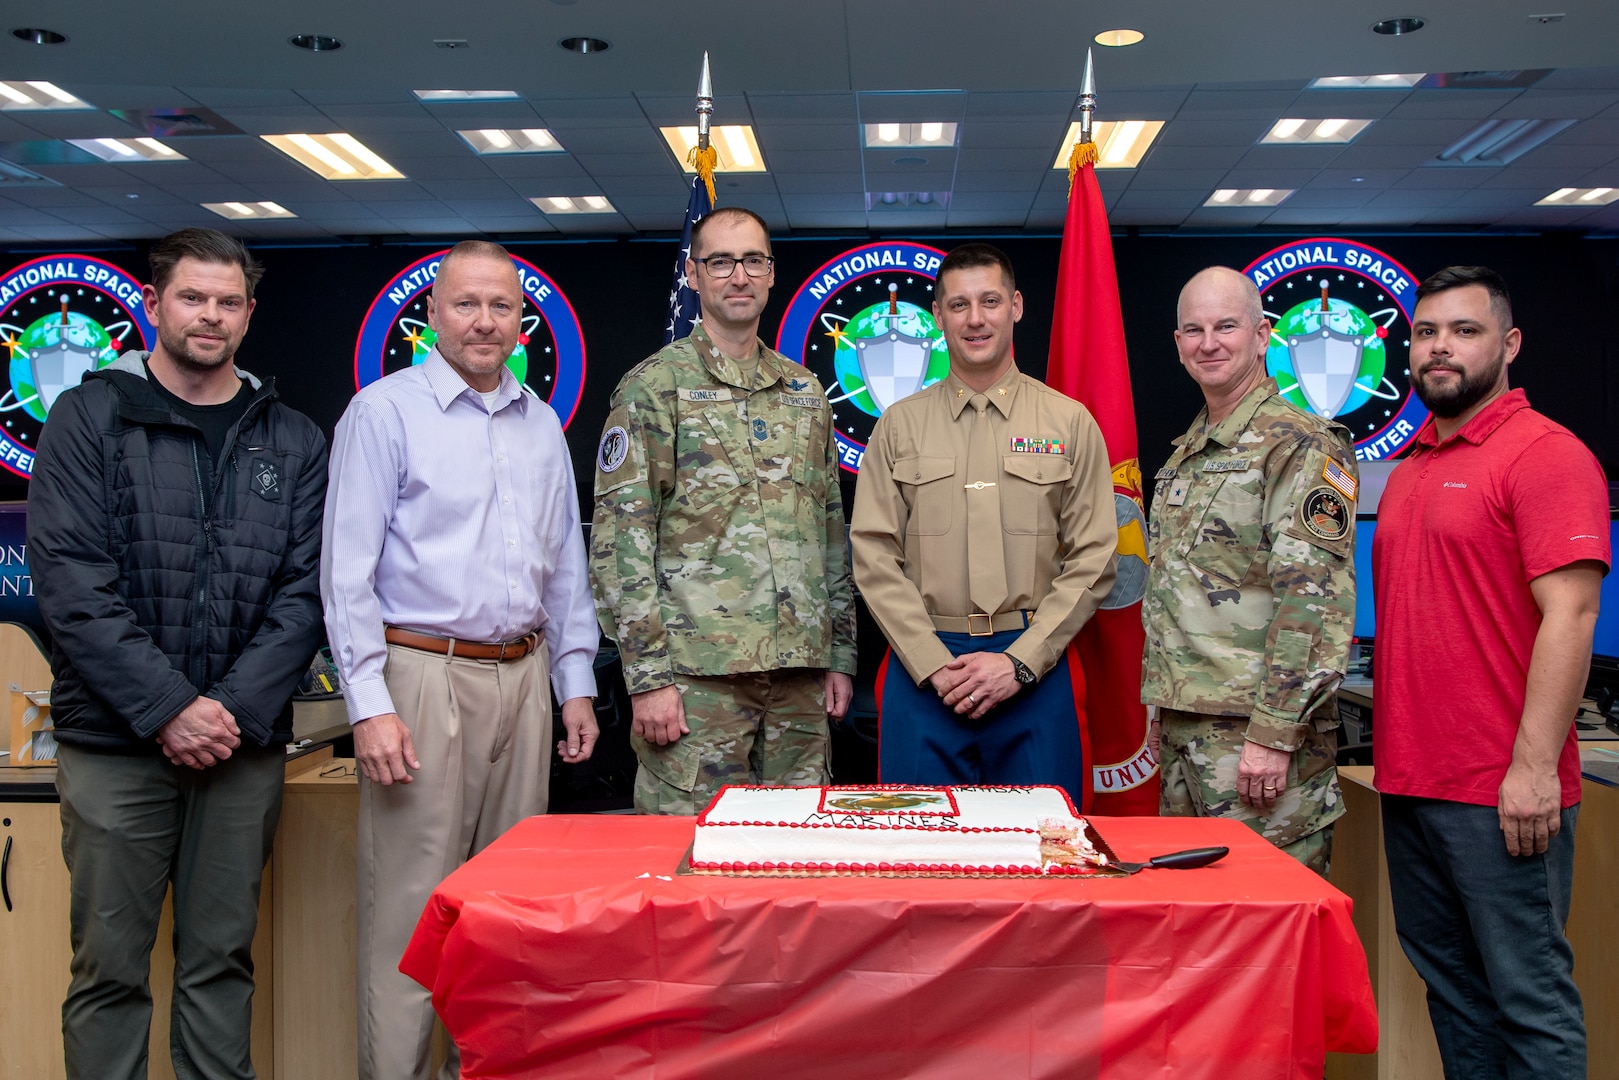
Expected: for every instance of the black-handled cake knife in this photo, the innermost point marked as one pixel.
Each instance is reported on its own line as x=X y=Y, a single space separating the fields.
x=1179 y=860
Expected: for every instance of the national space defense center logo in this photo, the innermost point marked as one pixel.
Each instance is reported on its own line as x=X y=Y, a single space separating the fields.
x=61 y=317
x=1340 y=316
x=864 y=324
x=550 y=354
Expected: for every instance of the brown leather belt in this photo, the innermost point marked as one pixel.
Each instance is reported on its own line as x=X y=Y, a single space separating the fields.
x=515 y=649
x=981 y=625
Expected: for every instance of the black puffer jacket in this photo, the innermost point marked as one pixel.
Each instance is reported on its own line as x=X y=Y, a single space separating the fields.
x=149 y=600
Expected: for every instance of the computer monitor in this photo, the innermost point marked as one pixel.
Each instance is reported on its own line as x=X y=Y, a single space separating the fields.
x=17 y=602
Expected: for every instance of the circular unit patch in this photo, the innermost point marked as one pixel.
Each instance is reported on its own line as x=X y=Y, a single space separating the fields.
x=863 y=323
x=614 y=448
x=61 y=317
x=1340 y=315
x=1323 y=512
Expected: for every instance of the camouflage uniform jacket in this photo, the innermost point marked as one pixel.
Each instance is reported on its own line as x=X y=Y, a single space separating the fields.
x=718 y=545
x=1250 y=602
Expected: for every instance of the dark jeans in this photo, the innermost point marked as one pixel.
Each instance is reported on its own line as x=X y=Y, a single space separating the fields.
x=1484 y=929
x=131 y=825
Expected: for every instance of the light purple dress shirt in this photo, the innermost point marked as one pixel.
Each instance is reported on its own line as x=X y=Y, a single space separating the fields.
x=450 y=519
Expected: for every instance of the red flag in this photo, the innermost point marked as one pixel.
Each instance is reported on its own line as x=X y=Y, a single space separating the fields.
x=1088 y=362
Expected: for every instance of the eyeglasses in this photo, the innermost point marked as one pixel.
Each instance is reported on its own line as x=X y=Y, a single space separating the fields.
x=722 y=266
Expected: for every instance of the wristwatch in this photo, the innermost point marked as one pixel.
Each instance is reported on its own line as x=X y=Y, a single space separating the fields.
x=1024 y=674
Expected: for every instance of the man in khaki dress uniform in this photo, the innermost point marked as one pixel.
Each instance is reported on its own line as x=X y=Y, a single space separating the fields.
x=1250 y=601
x=984 y=537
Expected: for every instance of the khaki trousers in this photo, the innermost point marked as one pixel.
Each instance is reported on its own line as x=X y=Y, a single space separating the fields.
x=482 y=732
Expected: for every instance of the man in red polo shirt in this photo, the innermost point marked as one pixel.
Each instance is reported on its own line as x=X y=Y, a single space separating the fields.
x=1491 y=545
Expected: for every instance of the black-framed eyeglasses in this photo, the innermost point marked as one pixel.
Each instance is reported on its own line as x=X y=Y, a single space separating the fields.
x=722 y=266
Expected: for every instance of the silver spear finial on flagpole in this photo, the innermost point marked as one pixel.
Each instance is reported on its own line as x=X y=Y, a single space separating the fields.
x=705 y=104
x=1087 y=100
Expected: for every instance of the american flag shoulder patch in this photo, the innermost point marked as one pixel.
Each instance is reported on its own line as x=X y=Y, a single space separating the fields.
x=1338 y=477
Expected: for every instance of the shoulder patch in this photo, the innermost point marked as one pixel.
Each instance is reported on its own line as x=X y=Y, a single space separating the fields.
x=1336 y=475
x=614 y=448
x=1325 y=513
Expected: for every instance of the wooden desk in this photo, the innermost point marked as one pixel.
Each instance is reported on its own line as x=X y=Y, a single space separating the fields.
x=1407 y=1050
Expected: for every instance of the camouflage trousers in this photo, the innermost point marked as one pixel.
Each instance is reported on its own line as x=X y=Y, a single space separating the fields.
x=1198 y=762
x=765 y=727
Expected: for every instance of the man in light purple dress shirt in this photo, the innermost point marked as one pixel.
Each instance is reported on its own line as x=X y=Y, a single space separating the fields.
x=454 y=582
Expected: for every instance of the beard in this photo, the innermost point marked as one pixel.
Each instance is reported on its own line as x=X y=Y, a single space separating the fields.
x=178 y=346
x=1450 y=401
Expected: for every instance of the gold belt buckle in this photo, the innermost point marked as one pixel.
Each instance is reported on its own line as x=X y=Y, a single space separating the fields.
x=988 y=624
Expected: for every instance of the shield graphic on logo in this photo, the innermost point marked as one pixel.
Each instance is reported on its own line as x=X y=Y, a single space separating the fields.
x=893 y=366
x=60 y=365
x=1326 y=363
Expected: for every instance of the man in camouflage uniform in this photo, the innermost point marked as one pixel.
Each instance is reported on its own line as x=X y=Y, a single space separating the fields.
x=718 y=553
x=1250 y=599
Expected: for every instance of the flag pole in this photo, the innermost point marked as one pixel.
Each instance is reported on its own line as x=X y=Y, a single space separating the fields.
x=703 y=156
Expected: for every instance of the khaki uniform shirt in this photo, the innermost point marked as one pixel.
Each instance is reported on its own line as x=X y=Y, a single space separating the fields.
x=718 y=544
x=1250 y=603
x=1057 y=518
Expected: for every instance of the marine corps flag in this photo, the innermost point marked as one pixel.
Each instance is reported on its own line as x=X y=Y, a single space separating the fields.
x=1088 y=362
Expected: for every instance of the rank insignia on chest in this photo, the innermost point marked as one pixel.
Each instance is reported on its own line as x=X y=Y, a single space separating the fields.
x=1033 y=444
x=761 y=430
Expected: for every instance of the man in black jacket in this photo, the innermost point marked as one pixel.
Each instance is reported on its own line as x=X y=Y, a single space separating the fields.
x=174 y=532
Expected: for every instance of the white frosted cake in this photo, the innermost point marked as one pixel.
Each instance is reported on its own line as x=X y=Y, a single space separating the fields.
x=893 y=829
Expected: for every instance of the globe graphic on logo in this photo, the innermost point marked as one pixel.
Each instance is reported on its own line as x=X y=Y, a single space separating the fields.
x=68 y=332
x=423 y=337
x=1306 y=319
x=873 y=323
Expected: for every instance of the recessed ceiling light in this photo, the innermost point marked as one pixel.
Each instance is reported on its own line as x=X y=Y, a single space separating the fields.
x=1119 y=38
x=128 y=150
x=738 y=150
x=242 y=211
x=1501 y=142
x=36 y=35
x=1596 y=196
x=1368 y=82
x=334 y=156
x=1249 y=197
x=37 y=96
x=466 y=95
x=511 y=141
x=1294 y=131
x=897 y=135
x=907 y=200
x=1395 y=27
x=315 y=42
x=584 y=45
x=573 y=204
x=1120 y=144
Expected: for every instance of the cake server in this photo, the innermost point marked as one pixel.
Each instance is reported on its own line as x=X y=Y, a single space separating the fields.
x=1179 y=860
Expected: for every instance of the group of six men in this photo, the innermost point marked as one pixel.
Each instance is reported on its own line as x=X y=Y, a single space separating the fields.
x=185 y=540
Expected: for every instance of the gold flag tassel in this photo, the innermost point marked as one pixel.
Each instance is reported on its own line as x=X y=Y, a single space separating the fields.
x=704 y=159
x=1084 y=153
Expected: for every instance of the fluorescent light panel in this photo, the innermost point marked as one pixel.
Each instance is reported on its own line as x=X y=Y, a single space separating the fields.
x=488 y=141
x=128 y=150
x=37 y=96
x=1501 y=142
x=735 y=143
x=573 y=204
x=466 y=95
x=1249 y=197
x=244 y=211
x=885 y=136
x=334 y=156
x=1569 y=196
x=1368 y=82
x=1121 y=144
x=1296 y=132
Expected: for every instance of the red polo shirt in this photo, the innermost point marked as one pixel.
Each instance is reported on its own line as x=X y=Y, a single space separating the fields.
x=1462 y=529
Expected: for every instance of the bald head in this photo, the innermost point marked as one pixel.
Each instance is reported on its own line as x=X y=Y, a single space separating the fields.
x=1220 y=279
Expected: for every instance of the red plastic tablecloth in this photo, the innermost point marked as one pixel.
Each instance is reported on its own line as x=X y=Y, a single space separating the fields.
x=570 y=948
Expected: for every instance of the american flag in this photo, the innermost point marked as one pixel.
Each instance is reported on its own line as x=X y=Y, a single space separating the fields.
x=684 y=312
